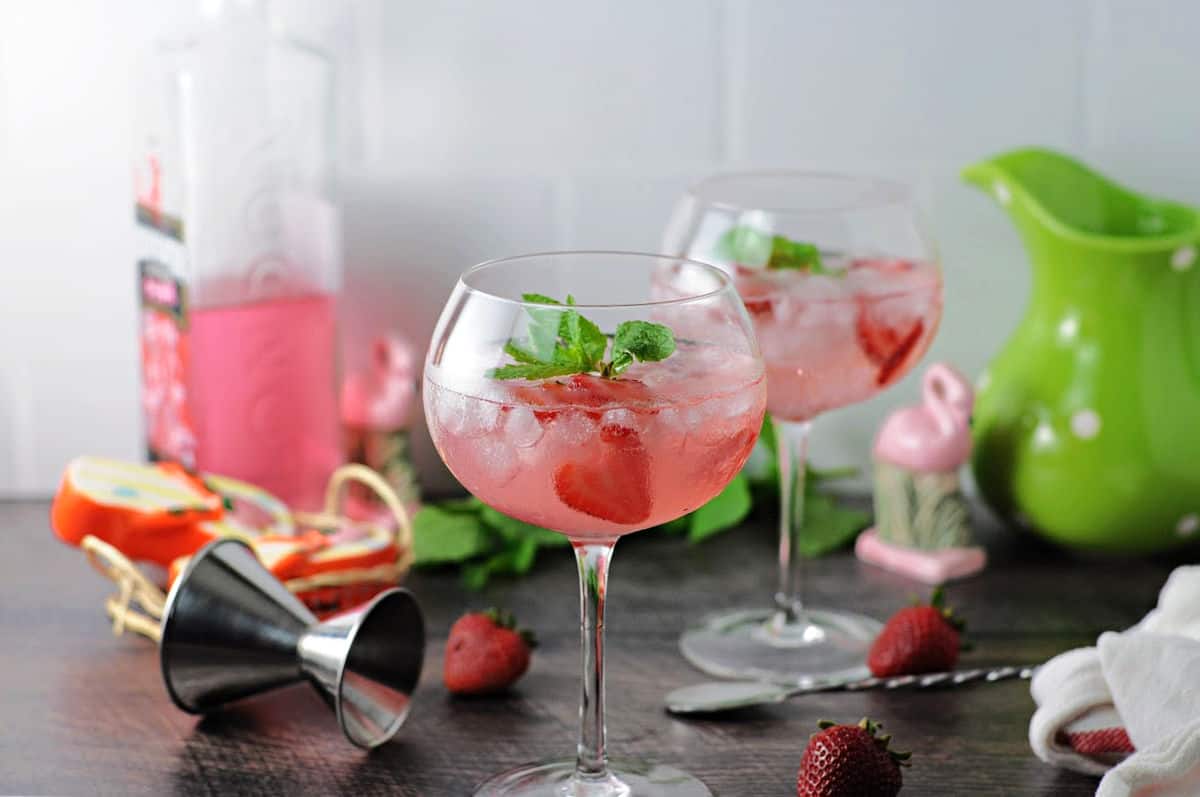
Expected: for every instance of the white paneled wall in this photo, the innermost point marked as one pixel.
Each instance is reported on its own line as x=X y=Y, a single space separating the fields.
x=481 y=128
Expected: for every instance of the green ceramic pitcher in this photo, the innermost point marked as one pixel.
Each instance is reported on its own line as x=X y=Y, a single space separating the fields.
x=1087 y=423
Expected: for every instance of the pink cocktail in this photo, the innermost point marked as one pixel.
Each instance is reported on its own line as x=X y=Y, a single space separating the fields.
x=845 y=294
x=594 y=409
x=835 y=339
x=596 y=458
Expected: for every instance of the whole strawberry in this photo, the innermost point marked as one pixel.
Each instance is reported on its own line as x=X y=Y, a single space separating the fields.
x=850 y=761
x=485 y=653
x=917 y=639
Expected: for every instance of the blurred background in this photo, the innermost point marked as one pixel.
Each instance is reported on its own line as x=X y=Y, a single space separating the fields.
x=472 y=130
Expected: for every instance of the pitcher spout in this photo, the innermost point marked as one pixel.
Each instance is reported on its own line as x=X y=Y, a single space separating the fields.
x=1051 y=194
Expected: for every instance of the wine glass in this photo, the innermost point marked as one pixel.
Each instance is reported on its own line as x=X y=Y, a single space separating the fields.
x=609 y=413
x=845 y=293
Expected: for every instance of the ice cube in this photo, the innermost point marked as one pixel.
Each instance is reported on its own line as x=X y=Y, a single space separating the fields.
x=889 y=276
x=466 y=416
x=626 y=419
x=574 y=428
x=447 y=408
x=668 y=422
x=736 y=404
x=521 y=428
x=703 y=425
x=500 y=459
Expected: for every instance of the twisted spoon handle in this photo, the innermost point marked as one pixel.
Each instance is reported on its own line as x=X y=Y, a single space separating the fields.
x=953 y=678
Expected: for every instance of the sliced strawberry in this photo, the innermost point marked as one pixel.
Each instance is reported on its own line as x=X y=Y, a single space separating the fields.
x=897 y=364
x=757 y=306
x=886 y=344
x=885 y=265
x=613 y=486
x=582 y=390
x=755 y=291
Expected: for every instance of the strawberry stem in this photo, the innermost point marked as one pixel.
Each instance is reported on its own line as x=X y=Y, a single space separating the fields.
x=503 y=618
x=872 y=728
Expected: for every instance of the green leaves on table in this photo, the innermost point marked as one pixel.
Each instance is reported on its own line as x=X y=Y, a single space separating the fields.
x=828 y=526
x=444 y=534
x=484 y=541
x=728 y=509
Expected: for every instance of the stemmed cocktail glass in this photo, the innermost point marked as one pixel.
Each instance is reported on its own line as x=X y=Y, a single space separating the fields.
x=845 y=293
x=562 y=390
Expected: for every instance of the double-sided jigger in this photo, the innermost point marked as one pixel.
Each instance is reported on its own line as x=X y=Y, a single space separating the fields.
x=231 y=630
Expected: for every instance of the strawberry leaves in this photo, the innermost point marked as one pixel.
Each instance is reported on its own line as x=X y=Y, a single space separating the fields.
x=560 y=341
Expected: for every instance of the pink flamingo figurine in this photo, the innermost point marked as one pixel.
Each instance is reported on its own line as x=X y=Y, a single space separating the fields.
x=922 y=520
x=377 y=409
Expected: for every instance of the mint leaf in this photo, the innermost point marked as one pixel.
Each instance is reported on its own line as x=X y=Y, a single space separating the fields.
x=763 y=465
x=485 y=541
x=512 y=529
x=639 y=340
x=441 y=536
x=762 y=468
x=475 y=576
x=516 y=559
x=818 y=475
x=512 y=349
x=745 y=246
x=520 y=542
x=543 y=328
x=532 y=371
x=749 y=247
x=827 y=526
x=590 y=341
x=520 y=557
x=563 y=342
x=677 y=526
x=469 y=504
x=726 y=510
x=796 y=255
x=581 y=343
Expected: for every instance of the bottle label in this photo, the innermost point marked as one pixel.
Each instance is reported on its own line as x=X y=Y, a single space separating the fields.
x=170 y=433
x=163 y=295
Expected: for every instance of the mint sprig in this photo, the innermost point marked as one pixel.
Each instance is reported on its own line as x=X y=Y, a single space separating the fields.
x=754 y=248
x=560 y=342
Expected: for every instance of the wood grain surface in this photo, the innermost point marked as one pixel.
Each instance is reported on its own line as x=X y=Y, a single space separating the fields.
x=83 y=712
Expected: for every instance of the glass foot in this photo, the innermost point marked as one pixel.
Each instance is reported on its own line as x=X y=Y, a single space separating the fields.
x=826 y=646
x=627 y=779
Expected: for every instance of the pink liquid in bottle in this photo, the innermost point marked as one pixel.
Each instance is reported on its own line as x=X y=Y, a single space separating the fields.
x=263 y=394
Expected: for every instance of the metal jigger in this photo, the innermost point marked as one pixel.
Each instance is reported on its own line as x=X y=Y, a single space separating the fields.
x=231 y=629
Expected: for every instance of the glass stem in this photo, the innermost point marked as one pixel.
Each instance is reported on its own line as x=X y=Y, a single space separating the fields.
x=791 y=444
x=591 y=761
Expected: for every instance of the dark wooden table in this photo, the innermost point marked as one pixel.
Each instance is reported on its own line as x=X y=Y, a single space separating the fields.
x=83 y=712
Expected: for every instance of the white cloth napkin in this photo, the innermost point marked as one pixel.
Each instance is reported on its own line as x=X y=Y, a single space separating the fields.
x=1129 y=708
